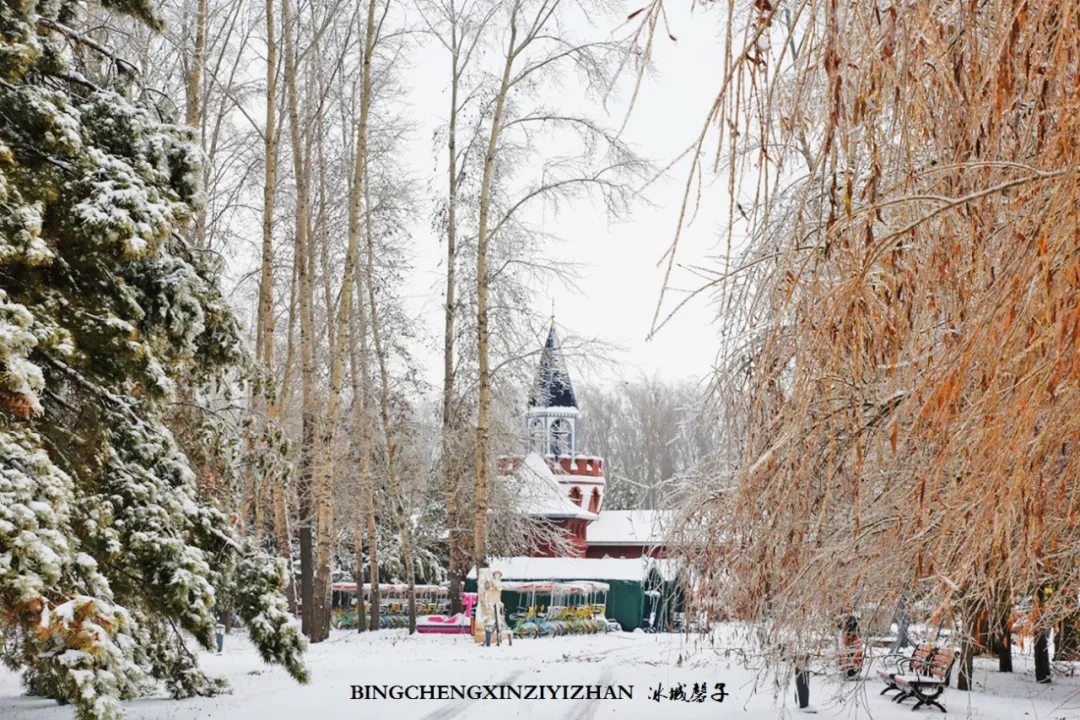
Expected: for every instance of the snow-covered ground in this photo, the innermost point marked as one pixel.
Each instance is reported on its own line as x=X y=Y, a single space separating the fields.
x=644 y=661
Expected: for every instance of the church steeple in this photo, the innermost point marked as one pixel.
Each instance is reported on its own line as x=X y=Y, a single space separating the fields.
x=553 y=387
x=551 y=420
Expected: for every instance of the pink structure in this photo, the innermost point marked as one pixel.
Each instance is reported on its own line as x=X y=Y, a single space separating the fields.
x=460 y=624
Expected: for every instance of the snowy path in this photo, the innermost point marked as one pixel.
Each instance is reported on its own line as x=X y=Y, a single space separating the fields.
x=643 y=661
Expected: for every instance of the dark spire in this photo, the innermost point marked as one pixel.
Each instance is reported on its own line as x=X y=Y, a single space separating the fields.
x=553 y=387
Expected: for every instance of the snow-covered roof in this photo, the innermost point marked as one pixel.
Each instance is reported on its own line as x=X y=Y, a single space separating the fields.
x=532 y=568
x=630 y=527
x=390 y=587
x=542 y=494
x=547 y=586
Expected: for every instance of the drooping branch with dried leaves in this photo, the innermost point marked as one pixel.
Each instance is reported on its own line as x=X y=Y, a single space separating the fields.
x=902 y=325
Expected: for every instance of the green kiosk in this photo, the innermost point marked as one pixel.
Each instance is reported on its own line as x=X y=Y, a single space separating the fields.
x=641 y=592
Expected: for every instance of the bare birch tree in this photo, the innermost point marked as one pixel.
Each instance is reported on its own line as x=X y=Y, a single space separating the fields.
x=308 y=451
x=537 y=46
x=384 y=411
x=265 y=321
x=364 y=523
x=339 y=348
x=459 y=26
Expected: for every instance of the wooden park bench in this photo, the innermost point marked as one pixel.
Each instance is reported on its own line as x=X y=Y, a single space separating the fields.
x=929 y=682
x=898 y=664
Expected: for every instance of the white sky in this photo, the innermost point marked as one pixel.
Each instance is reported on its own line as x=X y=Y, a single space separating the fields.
x=619 y=276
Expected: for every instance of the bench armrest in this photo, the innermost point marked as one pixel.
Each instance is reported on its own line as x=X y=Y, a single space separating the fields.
x=926 y=672
x=893 y=657
x=906 y=662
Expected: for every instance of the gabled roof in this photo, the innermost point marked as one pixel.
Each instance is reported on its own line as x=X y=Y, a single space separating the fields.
x=630 y=527
x=552 y=387
x=542 y=495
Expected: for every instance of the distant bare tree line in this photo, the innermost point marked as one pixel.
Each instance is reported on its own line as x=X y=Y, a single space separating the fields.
x=653 y=435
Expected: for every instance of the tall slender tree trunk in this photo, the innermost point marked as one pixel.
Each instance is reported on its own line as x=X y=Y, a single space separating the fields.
x=193 y=110
x=286 y=401
x=260 y=511
x=326 y=468
x=281 y=496
x=384 y=409
x=338 y=336
x=968 y=642
x=362 y=444
x=365 y=457
x=449 y=426
x=483 y=413
x=358 y=573
x=307 y=352
x=324 y=477
x=308 y=450
x=321 y=226
x=266 y=290
x=193 y=79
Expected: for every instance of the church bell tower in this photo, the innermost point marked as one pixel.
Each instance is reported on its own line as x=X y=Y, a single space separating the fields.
x=551 y=426
x=552 y=418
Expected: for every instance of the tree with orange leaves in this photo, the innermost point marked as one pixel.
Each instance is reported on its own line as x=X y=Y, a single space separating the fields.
x=905 y=370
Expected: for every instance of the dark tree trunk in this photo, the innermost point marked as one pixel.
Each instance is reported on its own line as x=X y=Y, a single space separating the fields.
x=307 y=539
x=358 y=578
x=982 y=638
x=307 y=580
x=376 y=598
x=802 y=683
x=456 y=605
x=966 y=661
x=1042 y=658
x=1002 y=644
x=1067 y=641
x=1042 y=648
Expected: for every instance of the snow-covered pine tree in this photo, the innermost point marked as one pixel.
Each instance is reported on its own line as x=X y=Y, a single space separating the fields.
x=107 y=553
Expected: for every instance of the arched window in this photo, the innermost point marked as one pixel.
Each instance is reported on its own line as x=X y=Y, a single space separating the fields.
x=560 y=437
x=537 y=435
x=594 y=501
x=575 y=496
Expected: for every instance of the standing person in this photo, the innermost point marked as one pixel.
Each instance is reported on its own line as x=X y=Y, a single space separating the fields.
x=502 y=614
x=219 y=631
x=901 y=620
